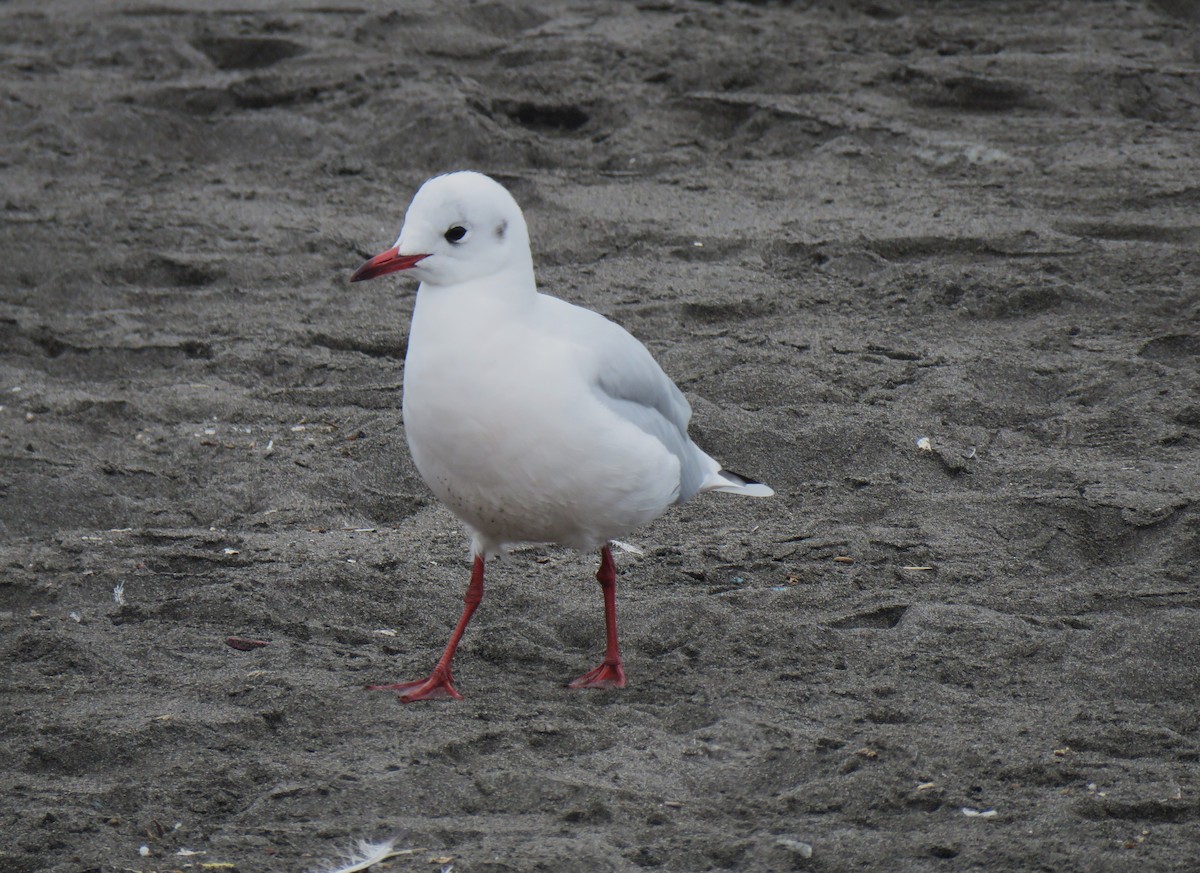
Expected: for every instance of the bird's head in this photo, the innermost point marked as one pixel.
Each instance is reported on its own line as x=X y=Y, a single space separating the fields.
x=459 y=227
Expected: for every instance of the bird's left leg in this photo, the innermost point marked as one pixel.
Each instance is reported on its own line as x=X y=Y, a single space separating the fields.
x=440 y=683
x=611 y=672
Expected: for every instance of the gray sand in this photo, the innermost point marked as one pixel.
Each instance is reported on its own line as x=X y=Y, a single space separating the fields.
x=840 y=227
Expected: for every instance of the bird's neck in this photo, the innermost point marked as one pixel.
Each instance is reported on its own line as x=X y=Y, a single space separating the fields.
x=495 y=298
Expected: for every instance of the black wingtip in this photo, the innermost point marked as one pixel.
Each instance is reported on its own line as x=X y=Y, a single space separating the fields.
x=740 y=478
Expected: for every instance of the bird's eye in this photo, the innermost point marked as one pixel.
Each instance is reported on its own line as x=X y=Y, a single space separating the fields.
x=455 y=234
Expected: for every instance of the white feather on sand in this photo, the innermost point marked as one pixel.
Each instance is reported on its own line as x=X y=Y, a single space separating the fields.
x=368 y=855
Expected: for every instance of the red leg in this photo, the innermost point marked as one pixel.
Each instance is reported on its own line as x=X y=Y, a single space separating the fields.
x=440 y=683
x=611 y=672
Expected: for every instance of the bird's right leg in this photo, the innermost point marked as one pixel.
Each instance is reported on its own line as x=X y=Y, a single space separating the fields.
x=611 y=672
x=440 y=683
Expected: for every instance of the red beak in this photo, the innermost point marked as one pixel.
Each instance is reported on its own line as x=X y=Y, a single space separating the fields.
x=386 y=262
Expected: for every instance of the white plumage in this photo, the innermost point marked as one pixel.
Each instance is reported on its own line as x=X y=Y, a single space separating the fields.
x=532 y=419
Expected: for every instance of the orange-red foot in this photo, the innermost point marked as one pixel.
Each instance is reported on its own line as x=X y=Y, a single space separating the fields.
x=607 y=675
x=438 y=686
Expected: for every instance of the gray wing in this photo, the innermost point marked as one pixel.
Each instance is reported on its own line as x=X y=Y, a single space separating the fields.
x=630 y=382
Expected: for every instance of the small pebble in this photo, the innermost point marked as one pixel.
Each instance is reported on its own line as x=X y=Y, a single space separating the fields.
x=796 y=847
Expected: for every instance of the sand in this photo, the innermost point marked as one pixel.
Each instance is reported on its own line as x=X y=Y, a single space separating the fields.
x=842 y=228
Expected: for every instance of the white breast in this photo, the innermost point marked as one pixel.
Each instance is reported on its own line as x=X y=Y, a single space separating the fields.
x=507 y=428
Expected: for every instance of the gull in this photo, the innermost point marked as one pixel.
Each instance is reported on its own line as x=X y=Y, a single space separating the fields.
x=532 y=419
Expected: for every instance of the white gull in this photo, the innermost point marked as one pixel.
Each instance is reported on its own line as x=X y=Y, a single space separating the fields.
x=532 y=419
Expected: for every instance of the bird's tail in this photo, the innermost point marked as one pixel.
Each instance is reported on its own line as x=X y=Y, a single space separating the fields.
x=733 y=483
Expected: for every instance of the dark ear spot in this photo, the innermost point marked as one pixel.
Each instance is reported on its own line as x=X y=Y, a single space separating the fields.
x=501 y=229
